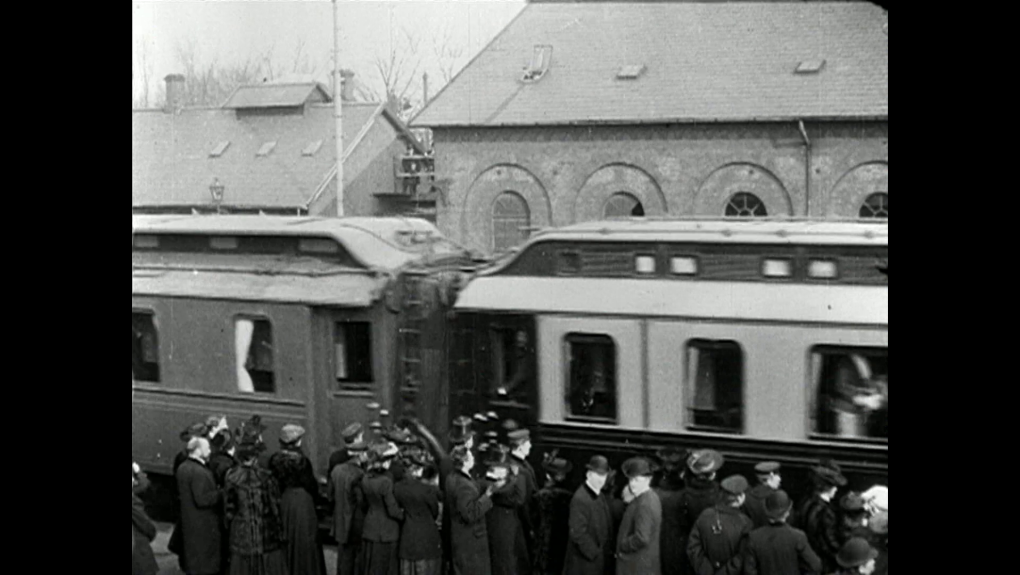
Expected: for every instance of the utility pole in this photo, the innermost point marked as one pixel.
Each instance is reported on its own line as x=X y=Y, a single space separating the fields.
x=338 y=111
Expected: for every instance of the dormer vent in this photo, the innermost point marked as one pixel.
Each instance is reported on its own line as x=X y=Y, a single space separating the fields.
x=630 y=72
x=539 y=64
x=810 y=66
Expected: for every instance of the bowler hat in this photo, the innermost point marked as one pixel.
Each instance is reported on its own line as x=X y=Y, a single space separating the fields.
x=194 y=430
x=671 y=456
x=855 y=552
x=636 y=466
x=598 y=464
x=291 y=433
x=777 y=503
x=766 y=467
x=558 y=465
x=351 y=431
x=734 y=484
x=704 y=461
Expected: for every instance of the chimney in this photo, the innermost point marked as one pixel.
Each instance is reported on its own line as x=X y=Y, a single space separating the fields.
x=347 y=88
x=174 y=92
x=425 y=88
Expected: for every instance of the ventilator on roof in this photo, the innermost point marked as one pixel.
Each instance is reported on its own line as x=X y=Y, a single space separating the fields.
x=630 y=72
x=539 y=64
x=219 y=149
x=312 y=148
x=265 y=149
x=810 y=66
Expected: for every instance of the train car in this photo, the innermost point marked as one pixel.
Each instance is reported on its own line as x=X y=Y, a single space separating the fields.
x=298 y=319
x=761 y=339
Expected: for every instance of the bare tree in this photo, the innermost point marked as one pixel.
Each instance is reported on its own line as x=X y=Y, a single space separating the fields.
x=449 y=58
x=398 y=71
x=143 y=64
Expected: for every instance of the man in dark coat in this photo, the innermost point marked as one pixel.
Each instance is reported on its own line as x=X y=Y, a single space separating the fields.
x=143 y=562
x=348 y=513
x=520 y=444
x=717 y=543
x=637 y=544
x=701 y=493
x=222 y=458
x=777 y=548
x=768 y=481
x=671 y=485
x=817 y=514
x=590 y=551
x=200 y=511
x=553 y=502
x=469 y=538
x=502 y=521
x=353 y=433
x=420 y=544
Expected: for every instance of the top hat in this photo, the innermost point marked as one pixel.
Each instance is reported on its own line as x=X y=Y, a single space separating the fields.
x=855 y=552
x=461 y=431
x=704 y=461
x=777 y=503
x=558 y=465
x=734 y=484
x=598 y=464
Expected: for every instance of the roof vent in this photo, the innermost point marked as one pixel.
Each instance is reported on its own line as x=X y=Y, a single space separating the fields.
x=312 y=148
x=539 y=65
x=219 y=149
x=265 y=149
x=630 y=72
x=810 y=66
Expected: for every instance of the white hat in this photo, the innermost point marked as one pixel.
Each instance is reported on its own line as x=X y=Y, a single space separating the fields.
x=876 y=498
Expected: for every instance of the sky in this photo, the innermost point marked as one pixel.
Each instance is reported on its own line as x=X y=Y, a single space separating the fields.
x=234 y=30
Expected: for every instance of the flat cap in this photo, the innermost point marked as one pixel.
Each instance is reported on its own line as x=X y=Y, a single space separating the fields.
x=291 y=433
x=767 y=467
x=518 y=435
x=734 y=484
x=351 y=431
x=357 y=447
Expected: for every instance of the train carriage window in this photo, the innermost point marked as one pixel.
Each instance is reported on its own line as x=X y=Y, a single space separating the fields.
x=591 y=377
x=144 y=347
x=715 y=374
x=253 y=347
x=513 y=376
x=352 y=341
x=851 y=391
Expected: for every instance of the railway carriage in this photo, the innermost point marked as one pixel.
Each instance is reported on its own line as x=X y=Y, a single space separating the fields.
x=299 y=319
x=762 y=339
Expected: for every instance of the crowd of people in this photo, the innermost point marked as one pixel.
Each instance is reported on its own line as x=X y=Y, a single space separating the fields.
x=405 y=504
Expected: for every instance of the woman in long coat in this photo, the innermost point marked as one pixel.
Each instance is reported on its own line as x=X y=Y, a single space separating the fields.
x=553 y=502
x=469 y=540
x=382 y=529
x=143 y=531
x=502 y=521
x=293 y=470
x=253 y=515
x=421 y=549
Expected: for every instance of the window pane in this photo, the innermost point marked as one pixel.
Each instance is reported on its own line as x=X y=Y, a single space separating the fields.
x=875 y=206
x=510 y=221
x=511 y=357
x=852 y=391
x=622 y=205
x=144 y=348
x=591 y=379
x=353 y=344
x=253 y=346
x=715 y=377
x=745 y=205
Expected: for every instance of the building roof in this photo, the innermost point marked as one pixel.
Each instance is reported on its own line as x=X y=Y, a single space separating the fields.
x=173 y=162
x=702 y=62
x=270 y=95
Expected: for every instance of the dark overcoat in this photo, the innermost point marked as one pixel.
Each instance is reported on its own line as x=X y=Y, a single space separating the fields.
x=718 y=542
x=754 y=504
x=502 y=524
x=778 y=549
x=347 y=521
x=419 y=534
x=383 y=516
x=637 y=544
x=143 y=531
x=252 y=505
x=469 y=539
x=590 y=549
x=527 y=515
x=818 y=519
x=696 y=497
x=200 y=518
x=336 y=458
x=299 y=492
x=220 y=463
x=673 y=556
x=553 y=529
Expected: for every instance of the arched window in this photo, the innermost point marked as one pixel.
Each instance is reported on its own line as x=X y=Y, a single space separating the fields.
x=510 y=221
x=875 y=206
x=745 y=205
x=622 y=205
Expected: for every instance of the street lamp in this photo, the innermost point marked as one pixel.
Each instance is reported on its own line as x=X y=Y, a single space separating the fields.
x=216 y=190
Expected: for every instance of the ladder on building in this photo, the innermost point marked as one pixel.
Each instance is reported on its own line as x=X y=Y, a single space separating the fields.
x=411 y=326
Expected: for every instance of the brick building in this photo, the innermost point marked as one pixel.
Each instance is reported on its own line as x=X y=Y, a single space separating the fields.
x=578 y=112
x=271 y=148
